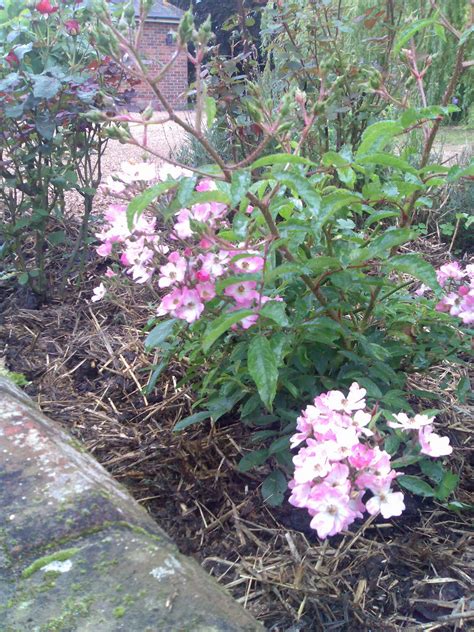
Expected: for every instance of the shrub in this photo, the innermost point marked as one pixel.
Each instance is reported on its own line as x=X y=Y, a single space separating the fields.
x=50 y=75
x=287 y=277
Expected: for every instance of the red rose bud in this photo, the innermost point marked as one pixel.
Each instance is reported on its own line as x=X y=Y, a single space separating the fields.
x=12 y=59
x=45 y=7
x=72 y=27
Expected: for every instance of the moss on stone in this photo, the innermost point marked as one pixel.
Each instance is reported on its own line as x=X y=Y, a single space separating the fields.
x=59 y=556
x=119 y=611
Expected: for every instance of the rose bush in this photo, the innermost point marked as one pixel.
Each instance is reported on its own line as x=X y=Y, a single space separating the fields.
x=296 y=274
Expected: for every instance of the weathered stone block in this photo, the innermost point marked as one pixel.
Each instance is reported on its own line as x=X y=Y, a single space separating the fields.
x=78 y=554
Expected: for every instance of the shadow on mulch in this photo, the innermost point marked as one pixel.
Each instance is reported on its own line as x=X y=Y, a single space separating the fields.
x=87 y=367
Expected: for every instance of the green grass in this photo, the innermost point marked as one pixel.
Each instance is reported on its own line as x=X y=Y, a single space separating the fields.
x=459 y=135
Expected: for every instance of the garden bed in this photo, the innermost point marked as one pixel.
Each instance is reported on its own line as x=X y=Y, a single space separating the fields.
x=86 y=366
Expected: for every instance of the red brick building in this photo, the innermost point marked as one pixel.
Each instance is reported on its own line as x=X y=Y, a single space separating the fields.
x=157 y=46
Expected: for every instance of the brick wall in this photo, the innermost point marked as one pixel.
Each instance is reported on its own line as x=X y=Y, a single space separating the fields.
x=154 y=50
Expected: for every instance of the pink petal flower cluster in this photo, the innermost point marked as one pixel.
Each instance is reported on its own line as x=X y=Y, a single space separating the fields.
x=192 y=275
x=431 y=444
x=337 y=466
x=459 y=287
x=138 y=245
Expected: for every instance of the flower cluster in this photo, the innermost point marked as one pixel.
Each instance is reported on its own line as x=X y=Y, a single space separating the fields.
x=422 y=427
x=191 y=273
x=459 y=286
x=192 y=276
x=341 y=461
x=139 y=244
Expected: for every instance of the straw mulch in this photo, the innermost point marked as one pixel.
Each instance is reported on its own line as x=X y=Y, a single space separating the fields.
x=87 y=367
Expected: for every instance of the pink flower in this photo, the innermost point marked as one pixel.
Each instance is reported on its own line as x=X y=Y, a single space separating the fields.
x=386 y=502
x=45 y=7
x=104 y=249
x=360 y=420
x=191 y=306
x=206 y=291
x=300 y=493
x=206 y=185
x=215 y=265
x=310 y=464
x=174 y=271
x=354 y=400
x=72 y=27
x=407 y=423
x=449 y=271
x=332 y=512
x=248 y=264
x=242 y=293
x=182 y=228
x=170 y=303
x=109 y=273
x=338 y=478
x=98 y=293
x=361 y=457
x=466 y=308
x=433 y=444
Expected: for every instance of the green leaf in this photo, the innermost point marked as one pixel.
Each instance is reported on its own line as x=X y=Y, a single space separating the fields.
x=433 y=470
x=185 y=191
x=240 y=184
x=410 y=31
x=333 y=159
x=210 y=107
x=388 y=160
x=303 y=187
x=45 y=125
x=142 y=201
x=280 y=444
x=416 y=485
x=159 y=334
x=274 y=488
x=447 y=485
x=415 y=266
x=276 y=311
x=378 y=216
x=252 y=459
x=280 y=159
x=391 y=238
x=219 y=326
x=391 y=444
x=191 y=420
x=377 y=135
x=45 y=87
x=263 y=369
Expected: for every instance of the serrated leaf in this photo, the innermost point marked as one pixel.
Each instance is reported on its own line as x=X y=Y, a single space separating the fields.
x=191 y=420
x=447 y=485
x=303 y=188
x=415 y=266
x=221 y=325
x=416 y=485
x=433 y=470
x=382 y=244
x=387 y=160
x=276 y=311
x=263 y=369
x=377 y=135
x=274 y=488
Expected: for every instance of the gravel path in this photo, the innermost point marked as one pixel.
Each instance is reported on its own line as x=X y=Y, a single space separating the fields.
x=163 y=139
